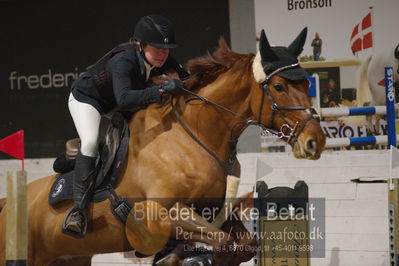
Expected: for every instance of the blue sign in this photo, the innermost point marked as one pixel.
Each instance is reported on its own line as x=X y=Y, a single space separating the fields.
x=390 y=99
x=312 y=86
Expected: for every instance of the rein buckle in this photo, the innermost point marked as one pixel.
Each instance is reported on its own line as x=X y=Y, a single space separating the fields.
x=287 y=131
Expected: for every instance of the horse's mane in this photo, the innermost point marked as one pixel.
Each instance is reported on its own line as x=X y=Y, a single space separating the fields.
x=207 y=68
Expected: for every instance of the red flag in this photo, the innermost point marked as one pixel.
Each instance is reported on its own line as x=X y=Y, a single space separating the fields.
x=14 y=145
x=366 y=22
x=356 y=40
x=367 y=33
x=355 y=31
x=356 y=45
x=368 y=40
x=362 y=38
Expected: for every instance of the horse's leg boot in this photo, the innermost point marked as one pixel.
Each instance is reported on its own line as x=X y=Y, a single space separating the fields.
x=75 y=222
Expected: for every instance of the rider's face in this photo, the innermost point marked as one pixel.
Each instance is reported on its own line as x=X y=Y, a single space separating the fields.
x=155 y=56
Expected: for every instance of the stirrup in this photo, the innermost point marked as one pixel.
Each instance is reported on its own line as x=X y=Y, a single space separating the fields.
x=75 y=234
x=80 y=207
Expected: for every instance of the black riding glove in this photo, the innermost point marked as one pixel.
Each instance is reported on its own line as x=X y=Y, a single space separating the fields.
x=172 y=86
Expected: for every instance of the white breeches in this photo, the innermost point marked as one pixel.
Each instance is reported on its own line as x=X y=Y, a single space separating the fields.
x=87 y=122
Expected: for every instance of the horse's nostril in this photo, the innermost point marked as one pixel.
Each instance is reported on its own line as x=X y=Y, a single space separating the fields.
x=311 y=146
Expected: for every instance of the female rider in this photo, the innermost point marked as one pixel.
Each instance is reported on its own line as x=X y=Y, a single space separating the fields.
x=117 y=82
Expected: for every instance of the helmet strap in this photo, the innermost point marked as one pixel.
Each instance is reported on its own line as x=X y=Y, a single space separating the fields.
x=136 y=44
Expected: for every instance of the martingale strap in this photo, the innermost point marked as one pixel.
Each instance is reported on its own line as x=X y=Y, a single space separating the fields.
x=120 y=206
x=227 y=166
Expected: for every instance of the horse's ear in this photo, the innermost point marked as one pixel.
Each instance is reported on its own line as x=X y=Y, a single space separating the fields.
x=296 y=47
x=223 y=44
x=265 y=50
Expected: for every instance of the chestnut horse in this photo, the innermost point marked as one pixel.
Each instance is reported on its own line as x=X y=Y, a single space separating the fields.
x=184 y=151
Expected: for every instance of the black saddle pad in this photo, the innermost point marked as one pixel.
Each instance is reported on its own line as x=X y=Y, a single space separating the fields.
x=62 y=187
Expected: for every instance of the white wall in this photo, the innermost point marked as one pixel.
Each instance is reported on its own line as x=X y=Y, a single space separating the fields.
x=334 y=23
x=243 y=40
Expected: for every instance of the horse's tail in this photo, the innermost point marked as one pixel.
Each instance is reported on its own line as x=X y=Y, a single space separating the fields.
x=363 y=94
x=397 y=52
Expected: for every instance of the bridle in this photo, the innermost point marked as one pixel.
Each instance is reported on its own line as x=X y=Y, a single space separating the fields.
x=292 y=132
x=286 y=131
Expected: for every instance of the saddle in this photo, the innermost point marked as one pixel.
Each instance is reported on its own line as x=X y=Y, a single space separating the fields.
x=112 y=152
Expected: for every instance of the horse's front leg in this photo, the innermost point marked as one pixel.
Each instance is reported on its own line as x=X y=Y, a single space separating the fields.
x=150 y=225
x=191 y=227
x=171 y=258
x=246 y=242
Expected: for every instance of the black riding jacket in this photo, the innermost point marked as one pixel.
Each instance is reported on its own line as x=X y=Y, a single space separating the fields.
x=118 y=80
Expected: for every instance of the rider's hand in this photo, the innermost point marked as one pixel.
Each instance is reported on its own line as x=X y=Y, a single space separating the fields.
x=172 y=86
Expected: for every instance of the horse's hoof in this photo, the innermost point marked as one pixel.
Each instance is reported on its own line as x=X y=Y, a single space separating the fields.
x=170 y=260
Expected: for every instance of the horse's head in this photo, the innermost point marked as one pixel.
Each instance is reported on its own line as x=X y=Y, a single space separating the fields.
x=281 y=102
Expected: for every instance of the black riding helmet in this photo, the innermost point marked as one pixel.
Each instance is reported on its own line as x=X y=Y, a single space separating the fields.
x=156 y=31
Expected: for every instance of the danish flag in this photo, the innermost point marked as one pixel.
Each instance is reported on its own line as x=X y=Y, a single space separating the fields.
x=362 y=35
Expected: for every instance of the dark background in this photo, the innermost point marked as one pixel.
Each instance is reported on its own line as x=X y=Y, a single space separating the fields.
x=66 y=35
x=325 y=75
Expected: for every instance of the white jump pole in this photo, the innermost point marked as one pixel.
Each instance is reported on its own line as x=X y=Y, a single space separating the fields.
x=17 y=219
x=357 y=141
x=16 y=235
x=353 y=111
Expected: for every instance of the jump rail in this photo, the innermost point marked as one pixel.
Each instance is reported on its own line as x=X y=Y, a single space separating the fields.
x=357 y=141
x=352 y=111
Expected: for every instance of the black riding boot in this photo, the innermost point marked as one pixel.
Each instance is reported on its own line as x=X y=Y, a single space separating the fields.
x=76 y=221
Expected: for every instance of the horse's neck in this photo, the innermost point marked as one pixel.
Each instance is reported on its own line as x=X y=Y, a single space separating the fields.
x=212 y=125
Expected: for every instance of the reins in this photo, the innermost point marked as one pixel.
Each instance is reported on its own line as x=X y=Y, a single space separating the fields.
x=226 y=166
x=286 y=131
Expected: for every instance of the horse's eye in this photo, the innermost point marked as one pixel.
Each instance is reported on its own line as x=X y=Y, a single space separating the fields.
x=278 y=87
